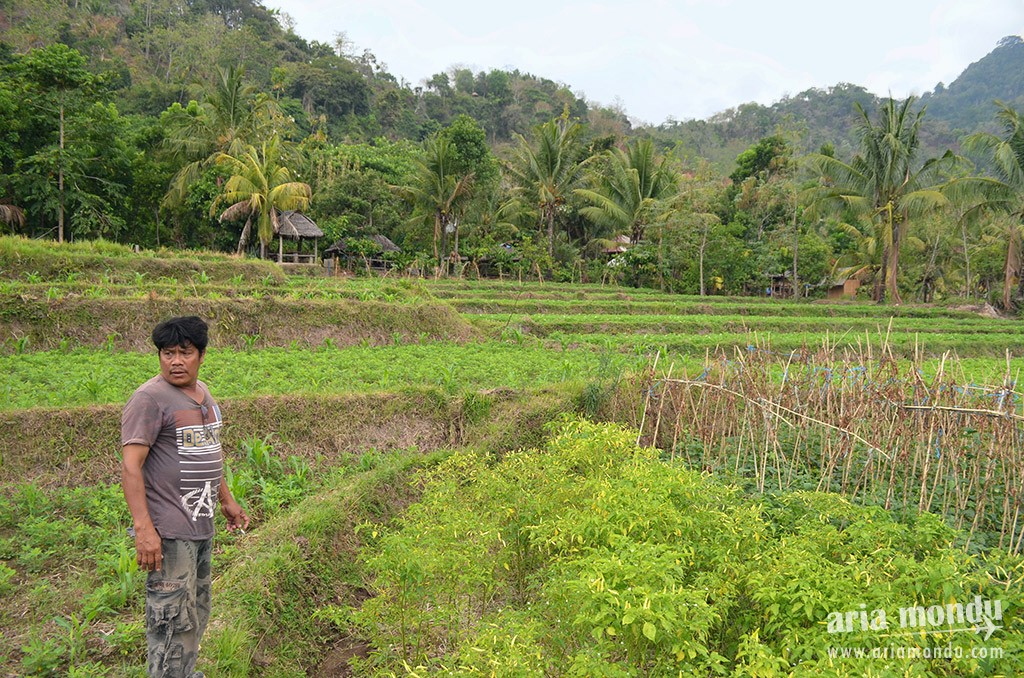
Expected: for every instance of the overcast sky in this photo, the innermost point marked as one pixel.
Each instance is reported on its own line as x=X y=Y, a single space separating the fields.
x=675 y=58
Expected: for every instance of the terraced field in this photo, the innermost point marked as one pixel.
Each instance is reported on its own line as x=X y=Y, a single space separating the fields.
x=340 y=392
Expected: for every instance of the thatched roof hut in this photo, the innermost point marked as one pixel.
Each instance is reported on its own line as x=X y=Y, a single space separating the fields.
x=618 y=245
x=340 y=248
x=296 y=226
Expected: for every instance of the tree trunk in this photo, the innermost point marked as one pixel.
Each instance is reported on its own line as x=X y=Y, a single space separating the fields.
x=967 y=259
x=60 y=180
x=244 y=240
x=894 y=259
x=796 y=246
x=458 y=259
x=1011 y=269
x=437 y=235
x=796 y=278
x=444 y=247
x=551 y=233
x=703 y=245
x=880 y=281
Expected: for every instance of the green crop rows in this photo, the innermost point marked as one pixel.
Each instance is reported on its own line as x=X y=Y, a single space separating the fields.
x=577 y=554
x=90 y=377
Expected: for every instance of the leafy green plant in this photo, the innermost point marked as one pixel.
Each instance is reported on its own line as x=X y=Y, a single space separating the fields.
x=94 y=388
x=42 y=656
x=259 y=455
x=110 y=344
x=32 y=558
x=74 y=630
x=7 y=574
x=126 y=575
x=598 y=557
x=128 y=639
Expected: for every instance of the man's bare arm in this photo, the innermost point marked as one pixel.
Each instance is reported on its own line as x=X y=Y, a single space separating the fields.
x=147 y=542
x=238 y=519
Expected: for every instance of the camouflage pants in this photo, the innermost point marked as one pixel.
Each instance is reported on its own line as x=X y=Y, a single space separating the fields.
x=178 y=607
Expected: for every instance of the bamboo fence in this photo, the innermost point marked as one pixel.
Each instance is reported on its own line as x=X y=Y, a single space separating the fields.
x=856 y=422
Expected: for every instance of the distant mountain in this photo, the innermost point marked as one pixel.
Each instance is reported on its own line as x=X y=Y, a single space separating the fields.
x=966 y=105
x=828 y=116
x=150 y=53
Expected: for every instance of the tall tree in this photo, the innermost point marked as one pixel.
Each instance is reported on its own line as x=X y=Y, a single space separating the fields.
x=1003 y=192
x=54 y=77
x=260 y=186
x=231 y=116
x=628 y=193
x=694 y=210
x=547 y=171
x=439 y=193
x=883 y=182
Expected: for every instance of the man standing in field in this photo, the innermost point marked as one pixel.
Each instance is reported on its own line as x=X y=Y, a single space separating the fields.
x=171 y=473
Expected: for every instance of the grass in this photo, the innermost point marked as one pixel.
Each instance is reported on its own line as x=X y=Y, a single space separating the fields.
x=89 y=617
x=334 y=464
x=363 y=381
x=98 y=261
x=98 y=377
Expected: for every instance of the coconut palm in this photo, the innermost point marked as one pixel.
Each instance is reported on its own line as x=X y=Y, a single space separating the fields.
x=9 y=214
x=260 y=186
x=546 y=173
x=438 y=193
x=231 y=116
x=883 y=183
x=626 y=198
x=1003 y=192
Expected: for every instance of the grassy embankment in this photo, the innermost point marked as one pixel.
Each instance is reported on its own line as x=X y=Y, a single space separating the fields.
x=359 y=381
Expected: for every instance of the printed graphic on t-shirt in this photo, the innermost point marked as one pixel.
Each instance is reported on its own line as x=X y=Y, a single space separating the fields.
x=200 y=459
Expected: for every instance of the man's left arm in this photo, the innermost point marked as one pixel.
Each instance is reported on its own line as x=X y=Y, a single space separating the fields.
x=238 y=519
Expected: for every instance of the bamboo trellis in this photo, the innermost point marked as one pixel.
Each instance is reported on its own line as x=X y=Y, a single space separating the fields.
x=866 y=426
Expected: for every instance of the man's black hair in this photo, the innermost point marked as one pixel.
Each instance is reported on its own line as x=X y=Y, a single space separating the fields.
x=189 y=329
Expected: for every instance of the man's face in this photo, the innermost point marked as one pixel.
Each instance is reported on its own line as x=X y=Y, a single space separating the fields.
x=179 y=365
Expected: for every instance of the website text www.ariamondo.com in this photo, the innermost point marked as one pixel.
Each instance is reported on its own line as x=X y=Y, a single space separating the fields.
x=916 y=652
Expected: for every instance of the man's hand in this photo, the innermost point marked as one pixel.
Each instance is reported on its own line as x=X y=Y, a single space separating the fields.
x=238 y=519
x=148 y=551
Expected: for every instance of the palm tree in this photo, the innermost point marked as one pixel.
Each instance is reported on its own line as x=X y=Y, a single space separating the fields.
x=628 y=194
x=882 y=183
x=260 y=187
x=546 y=175
x=9 y=214
x=1002 y=193
x=867 y=258
x=439 y=193
x=231 y=117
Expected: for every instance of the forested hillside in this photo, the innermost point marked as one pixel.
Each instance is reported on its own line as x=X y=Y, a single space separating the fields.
x=193 y=124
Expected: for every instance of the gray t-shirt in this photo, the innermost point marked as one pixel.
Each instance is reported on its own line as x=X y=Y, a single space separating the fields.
x=183 y=469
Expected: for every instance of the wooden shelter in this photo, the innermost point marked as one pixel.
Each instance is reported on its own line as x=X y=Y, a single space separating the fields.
x=621 y=244
x=373 y=260
x=845 y=287
x=297 y=226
